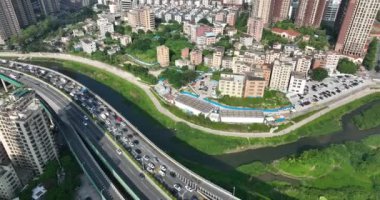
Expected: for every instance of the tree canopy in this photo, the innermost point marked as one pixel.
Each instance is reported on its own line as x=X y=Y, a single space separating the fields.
x=178 y=78
x=346 y=66
x=205 y=21
x=319 y=74
x=370 y=58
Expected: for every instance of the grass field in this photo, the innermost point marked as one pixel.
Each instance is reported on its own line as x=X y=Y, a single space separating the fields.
x=369 y=118
x=202 y=141
x=344 y=171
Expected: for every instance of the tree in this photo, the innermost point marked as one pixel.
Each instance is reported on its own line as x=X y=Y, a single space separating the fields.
x=241 y=22
x=370 y=58
x=205 y=21
x=346 y=66
x=285 y=24
x=319 y=74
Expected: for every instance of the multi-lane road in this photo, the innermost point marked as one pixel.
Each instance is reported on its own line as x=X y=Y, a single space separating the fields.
x=121 y=165
x=70 y=113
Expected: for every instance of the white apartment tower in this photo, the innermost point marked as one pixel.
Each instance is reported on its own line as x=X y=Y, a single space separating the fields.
x=26 y=131
x=280 y=76
x=356 y=18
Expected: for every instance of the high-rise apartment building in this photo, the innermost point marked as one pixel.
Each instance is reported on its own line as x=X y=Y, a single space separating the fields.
x=9 y=24
x=126 y=5
x=354 y=25
x=9 y=181
x=331 y=10
x=310 y=13
x=297 y=83
x=280 y=76
x=303 y=64
x=49 y=7
x=147 y=18
x=141 y=18
x=231 y=85
x=24 y=12
x=26 y=131
x=231 y=18
x=280 y=10
x=163 y=57
x=196 y=57
x=217 y=57
x=254 y=86
x=255 y=28
x=262 y=9
x=3 y=154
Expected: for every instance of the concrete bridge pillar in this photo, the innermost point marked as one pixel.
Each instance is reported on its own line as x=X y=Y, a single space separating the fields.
x=4 y=85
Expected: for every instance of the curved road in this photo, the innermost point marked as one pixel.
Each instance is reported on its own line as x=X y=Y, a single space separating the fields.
x=121 y=165
x=131 y=78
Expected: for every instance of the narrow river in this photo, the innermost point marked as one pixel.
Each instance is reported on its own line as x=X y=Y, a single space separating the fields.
x=166 y=140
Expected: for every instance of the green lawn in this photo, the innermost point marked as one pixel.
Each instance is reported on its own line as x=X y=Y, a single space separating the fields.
x=271 y=99
x=369 y=118
x=345 y=168
x=326 y=124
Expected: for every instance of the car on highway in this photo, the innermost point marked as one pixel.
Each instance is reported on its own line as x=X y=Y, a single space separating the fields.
x=178 y=187
x=149 y=169
x=163 y=168
x=118 y=151
x=189 y=188
x=151 y=165
x=162 y=173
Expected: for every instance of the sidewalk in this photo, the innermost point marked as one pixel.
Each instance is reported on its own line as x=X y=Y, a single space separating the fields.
x=131 y=78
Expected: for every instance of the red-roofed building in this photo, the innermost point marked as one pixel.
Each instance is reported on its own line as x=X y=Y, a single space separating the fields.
x=288 y=34
x=202 y=30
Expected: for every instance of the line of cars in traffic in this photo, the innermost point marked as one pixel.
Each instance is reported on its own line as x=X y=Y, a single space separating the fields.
x=112 y=123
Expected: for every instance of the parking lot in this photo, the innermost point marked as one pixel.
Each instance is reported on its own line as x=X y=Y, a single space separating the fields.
x=205 y=87
x=329 y=89
x=180 y=186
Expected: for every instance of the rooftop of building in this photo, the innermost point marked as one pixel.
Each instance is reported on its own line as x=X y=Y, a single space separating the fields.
x=241 y=113
x=197 y=104
x=290 y=32
x=232 y=77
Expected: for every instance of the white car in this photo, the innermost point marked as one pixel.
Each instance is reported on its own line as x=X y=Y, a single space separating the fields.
x=188 y=188
x=118 y=151
x=85 y=123
x=146 y=157
x=177 y=187
x=149 y=169
x=151 y=165
x=85 y=117
x=162 y=173
x=163 y=168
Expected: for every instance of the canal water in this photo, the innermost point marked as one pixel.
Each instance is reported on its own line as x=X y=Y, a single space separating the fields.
x=166 y=140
